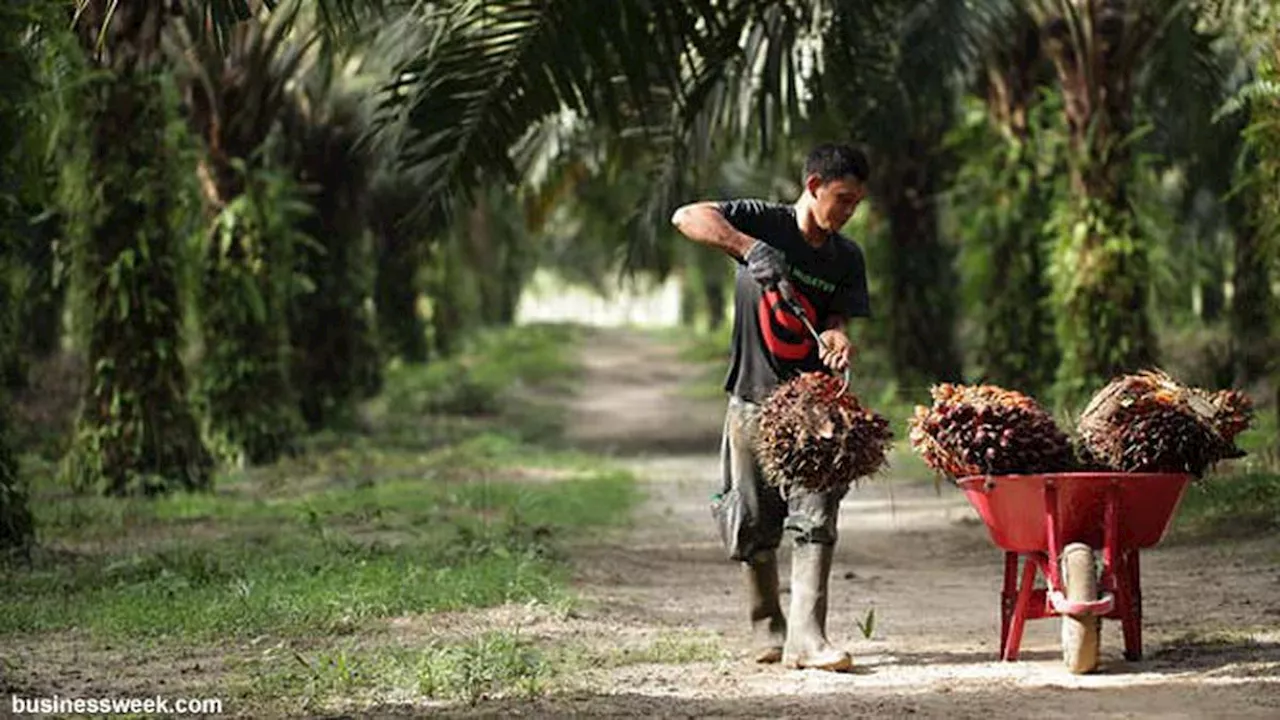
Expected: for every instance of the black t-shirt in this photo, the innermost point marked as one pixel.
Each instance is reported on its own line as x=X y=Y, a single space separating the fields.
x=770 y=344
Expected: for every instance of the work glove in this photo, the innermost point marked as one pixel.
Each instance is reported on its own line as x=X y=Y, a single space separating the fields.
x=766 y=264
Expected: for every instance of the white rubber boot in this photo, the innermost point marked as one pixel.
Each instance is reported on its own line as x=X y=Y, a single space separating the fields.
x=807 y=645
x=768 y=625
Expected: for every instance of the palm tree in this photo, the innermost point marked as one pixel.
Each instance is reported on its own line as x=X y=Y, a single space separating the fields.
x=334 y=354
x=235 y=95
x=28 y=224
x=895 y=71
x=1102 y=52
x=1254 y=110
x=1101 y=267
x=1255 y=312
x=489 y=72
x=16 y=89
x=135 y=432
x=401 y=249
x=1005 y=191
x=843 y=68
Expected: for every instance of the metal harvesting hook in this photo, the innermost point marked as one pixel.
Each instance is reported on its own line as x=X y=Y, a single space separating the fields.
x=793 y=305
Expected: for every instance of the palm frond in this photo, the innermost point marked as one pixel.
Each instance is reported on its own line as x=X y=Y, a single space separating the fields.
x=758 y=80
x=489 y=71
x=237 y=92
x=219 y=18
x=1255 y=91
x=1187 y=74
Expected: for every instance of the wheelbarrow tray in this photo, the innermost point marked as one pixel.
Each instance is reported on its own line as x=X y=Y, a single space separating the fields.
x=1017 y=517
x=1034 y=518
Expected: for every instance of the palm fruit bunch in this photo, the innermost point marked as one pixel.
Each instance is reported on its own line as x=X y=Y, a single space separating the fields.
x=988 y=430
x=1148 y=422
x=813 y=434
x=1234 y=413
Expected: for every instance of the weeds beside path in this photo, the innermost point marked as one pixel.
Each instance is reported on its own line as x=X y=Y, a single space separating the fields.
x=313 y=585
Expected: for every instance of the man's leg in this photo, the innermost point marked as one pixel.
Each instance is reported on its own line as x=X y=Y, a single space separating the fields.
x=749 y=514
x=812 y=521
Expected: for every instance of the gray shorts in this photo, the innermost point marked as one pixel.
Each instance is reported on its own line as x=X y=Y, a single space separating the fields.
x=751 y=514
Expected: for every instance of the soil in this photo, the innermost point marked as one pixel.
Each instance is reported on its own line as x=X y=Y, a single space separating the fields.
x=910 y=548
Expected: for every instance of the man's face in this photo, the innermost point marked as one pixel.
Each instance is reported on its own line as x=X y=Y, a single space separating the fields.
x=835 y=200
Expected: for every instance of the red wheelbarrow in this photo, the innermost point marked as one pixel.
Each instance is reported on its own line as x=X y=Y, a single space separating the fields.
x=1056 y=524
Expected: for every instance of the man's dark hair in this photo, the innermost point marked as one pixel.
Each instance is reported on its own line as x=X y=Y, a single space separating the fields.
x=831 y=161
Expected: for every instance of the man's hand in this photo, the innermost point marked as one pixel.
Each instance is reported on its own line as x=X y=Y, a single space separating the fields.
x=836 y=351
x=766 y=263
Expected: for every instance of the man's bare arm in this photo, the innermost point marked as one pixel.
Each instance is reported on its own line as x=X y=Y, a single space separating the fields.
x=702 y=222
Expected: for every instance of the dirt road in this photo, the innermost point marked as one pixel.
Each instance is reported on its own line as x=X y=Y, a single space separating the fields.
x=912 y=551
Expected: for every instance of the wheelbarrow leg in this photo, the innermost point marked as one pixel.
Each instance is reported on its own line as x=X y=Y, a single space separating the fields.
x=1008 y=598
x=1131 y=579
x=1021 y=609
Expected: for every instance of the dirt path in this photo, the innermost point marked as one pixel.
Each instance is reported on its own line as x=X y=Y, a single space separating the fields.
x=913 y=552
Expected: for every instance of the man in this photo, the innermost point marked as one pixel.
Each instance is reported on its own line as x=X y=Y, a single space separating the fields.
x=791 y=258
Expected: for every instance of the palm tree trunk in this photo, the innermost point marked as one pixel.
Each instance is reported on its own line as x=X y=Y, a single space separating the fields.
x=335 y=358
x=481 y=258
x=135 y=432
x=1101 y=294
x=922 y=299
x=715 y=295
x=15 y=519
x=45 y=302
x=400 y=244
x=1252 y=305
x=402 y=329
x=244 y=384
x=16 y=527
x=712 y=286
x=1017 y=348
x=16 y=87
x=453 y=297
x=31 y=297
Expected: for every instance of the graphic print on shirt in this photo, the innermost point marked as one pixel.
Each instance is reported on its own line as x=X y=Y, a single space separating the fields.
x=785 y=336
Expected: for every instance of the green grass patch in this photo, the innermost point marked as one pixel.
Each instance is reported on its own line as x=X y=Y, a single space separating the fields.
x=1243 y=505
x=493 y=664
x=479 y=379
x=431 y=506
x=222 y=566
x=667 y=649
x=703 y=346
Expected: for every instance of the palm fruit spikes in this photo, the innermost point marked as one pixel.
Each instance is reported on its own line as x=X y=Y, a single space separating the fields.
x=988 y=430
x=1234 y=413
x=813 y=434
x=1148 y=422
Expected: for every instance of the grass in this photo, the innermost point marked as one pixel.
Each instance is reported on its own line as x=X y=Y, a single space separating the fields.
x=453 y=495
x=1243 y=499
x=1230 y=506
x=493 y=663
x=492 y=365
x=233 y=566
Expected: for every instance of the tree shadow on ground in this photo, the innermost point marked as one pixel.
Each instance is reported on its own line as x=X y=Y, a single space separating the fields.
x=1223 y=656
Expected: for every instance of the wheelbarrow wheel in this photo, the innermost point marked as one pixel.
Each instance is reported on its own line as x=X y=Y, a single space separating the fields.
x=1080 y=634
